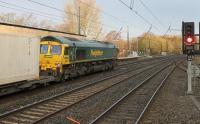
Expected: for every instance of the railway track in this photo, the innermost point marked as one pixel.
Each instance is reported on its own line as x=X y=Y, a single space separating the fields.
x=35 y=96
x=120 y=67
x=129 y=62
x=131 y=107
x=38 y=111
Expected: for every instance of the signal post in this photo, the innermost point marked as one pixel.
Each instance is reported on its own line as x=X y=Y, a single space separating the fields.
x=189 y=71
x=188 y=47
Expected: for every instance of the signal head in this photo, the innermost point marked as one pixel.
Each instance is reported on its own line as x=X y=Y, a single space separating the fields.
x=188 y=28
x=189 y=40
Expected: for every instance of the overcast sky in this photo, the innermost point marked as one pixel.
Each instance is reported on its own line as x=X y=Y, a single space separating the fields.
x=169 y=12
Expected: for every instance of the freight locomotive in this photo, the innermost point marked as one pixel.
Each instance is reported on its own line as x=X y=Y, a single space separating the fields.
x=65 y=57
x=28 y=61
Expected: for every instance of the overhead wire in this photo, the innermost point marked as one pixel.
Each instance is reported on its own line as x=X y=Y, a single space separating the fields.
x=44 y=14
x=168 y=29
x=82 y=17
x=148 y=31
x=174 y=29
x=105 y=13
x=32 y=10
x=150 y=28
x=35 y=12
x=149 y=10
x=39 y=3
x=27 y=12
x=139 y=15
x=39 y=13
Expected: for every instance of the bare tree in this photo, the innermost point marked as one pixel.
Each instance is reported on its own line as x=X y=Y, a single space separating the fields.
x=25 y=19
x=89 y=15
x=158 y=44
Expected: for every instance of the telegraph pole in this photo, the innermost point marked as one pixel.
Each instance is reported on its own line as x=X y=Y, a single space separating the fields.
x=99 y=32
x=128 y=40
x=79 y=20
x=78 y=11
x=183 y=31
x=147 y=41
x=138 y=46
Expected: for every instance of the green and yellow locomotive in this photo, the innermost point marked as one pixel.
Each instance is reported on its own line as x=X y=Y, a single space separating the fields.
x=64 y=57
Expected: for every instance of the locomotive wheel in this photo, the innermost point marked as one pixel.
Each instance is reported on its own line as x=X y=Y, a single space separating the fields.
x=60 y=78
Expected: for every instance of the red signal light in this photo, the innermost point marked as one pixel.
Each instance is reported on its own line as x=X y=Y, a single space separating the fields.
x=189 y=40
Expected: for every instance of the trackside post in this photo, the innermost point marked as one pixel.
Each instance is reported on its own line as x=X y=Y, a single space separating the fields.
x=188 y=45
x=189 y=72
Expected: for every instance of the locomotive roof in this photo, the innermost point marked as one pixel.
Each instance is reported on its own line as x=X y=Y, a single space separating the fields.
x=79 y=43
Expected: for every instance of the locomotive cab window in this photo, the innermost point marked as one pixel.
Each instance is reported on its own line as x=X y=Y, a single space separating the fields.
x=66 y=52
x=56 y=49
x=44 y=49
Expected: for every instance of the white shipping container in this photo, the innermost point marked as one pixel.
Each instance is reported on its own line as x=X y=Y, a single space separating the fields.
x=19 y=58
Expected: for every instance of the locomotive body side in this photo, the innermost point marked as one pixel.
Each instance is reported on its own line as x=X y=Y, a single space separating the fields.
x=68 y=57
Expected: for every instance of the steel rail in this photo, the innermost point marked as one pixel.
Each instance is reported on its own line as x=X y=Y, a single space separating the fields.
x=117 y=67
x=142 y=60
x=64 y=93
x=153 y=96
x=75 y=89
x=116 y=83
x=127 y=94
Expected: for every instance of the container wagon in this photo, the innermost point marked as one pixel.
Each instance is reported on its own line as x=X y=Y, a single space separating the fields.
x=19 y=65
